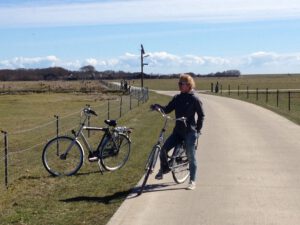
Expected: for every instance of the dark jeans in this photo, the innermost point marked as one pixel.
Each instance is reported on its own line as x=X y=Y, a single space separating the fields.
x=190 y=142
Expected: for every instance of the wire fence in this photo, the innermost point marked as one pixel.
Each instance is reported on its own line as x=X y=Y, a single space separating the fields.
x=287 y=100
x=20 y=150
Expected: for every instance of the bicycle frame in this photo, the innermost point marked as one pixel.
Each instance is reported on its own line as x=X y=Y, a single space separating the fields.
x=152 y=159
x=163 y=130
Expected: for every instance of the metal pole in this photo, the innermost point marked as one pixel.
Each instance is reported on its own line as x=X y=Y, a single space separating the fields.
x=57 y=125
x=247 y=92
x=5 y=158
x=229 y=89
x=89 y=123
x=289 y=93
x=277 y=98
x=57 y=133
x=142 y=70
x=121 y=107
x=256 y=94
x=108 y=109
x=267 y=92
x=142 y=66
x=238 y=90
x=130 y=101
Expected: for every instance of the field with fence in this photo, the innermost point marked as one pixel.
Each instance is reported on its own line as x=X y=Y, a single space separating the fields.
x=29 y=119
x=279 y=93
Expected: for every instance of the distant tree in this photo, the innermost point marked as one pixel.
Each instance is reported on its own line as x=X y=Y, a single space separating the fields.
x=88 y=71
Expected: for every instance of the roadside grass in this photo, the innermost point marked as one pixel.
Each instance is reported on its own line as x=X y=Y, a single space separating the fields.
x=86 y=198
x=269 y=101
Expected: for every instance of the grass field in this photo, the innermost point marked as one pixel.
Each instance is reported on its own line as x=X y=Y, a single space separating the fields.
x=252 y=82
x=34 y=197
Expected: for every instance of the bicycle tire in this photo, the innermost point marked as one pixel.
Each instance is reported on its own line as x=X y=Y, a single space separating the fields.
x=58 y=164
x=114 y=157
x=180 y=166
x=150 y=165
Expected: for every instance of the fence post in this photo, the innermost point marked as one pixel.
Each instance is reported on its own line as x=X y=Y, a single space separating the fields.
x=147 y=94
x=108 y=109
x=221 y=89
x=121 y=106
x=57 y=125
x=277 y=97
x=238 y=90
x=89 y=123
x=256 y=94
x=267 y=92
x=130 y=98
x=5 y=158
x=247 y=92
x=289 y=93
x=229 y=89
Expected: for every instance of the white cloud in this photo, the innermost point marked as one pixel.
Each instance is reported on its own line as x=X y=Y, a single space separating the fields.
x=164 y=63
x=26 y=62
x=94 y=12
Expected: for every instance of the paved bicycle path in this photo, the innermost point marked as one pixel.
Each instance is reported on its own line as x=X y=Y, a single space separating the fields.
x=248 y=173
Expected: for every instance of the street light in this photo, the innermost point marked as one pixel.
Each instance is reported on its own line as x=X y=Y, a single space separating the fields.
x=142 y=65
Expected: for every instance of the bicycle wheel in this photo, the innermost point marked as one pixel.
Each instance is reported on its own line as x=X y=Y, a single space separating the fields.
x=150 y=165
x=62 y=156
x=115 y=152
x=180 y=166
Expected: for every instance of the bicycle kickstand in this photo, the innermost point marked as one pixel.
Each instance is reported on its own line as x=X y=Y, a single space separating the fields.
x=100 y=167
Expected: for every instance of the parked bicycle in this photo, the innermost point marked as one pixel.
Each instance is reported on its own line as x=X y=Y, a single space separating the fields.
x=177 y=159
x=64 y=155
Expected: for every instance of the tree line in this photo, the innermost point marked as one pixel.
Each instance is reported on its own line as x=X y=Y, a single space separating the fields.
x=90 y=73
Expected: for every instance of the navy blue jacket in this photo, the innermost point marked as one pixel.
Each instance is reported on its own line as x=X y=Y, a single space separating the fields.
x=186 y=105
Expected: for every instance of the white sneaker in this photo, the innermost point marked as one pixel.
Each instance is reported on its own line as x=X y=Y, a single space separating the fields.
x=192 y=185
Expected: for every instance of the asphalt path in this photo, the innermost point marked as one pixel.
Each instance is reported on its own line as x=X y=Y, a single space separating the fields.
x=248 y=173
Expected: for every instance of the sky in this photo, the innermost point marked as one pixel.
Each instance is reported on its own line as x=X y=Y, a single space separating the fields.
x=200 y=36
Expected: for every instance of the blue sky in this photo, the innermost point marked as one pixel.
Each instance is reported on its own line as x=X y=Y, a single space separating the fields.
x=201 y=36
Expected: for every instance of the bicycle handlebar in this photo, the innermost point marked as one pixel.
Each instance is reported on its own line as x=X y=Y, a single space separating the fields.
x=183 y=119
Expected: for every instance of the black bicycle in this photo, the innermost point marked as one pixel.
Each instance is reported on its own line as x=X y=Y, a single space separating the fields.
x=64 y=155
x=177 y=159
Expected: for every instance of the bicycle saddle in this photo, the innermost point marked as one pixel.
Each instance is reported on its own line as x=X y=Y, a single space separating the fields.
x=111 y=122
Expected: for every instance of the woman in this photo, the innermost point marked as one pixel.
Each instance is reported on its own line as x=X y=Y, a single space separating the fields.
x=186 y=104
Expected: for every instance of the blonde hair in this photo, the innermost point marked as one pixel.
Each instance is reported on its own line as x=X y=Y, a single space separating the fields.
x=188 y=79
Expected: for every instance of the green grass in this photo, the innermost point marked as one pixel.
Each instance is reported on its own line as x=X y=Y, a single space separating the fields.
x=262 y=82
x=34 y=197
x=269 y=101
x=252 y=81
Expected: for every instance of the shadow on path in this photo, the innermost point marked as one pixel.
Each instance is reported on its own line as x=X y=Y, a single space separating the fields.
x=118 y=196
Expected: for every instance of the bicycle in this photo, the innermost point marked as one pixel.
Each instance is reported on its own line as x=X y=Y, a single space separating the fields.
x=64 y=155
x=177 y=161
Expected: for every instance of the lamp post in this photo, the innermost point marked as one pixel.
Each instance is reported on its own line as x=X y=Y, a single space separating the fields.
x=142 y=65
